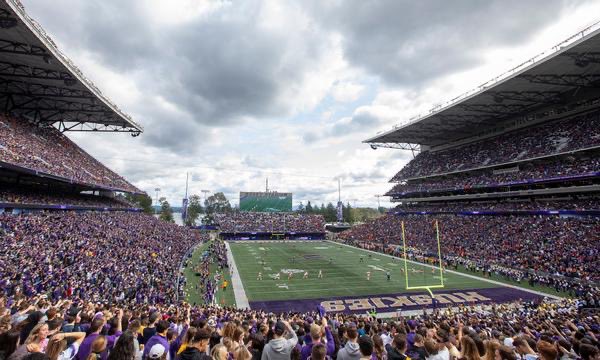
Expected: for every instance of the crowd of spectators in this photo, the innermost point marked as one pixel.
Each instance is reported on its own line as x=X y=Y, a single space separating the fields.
x=591 y=203
x=215 y=256
x=47 y=150
x=121 y=257
x=28 y=196
x=41 y=329
x=550 y=247
x=565 y=135
x=559 y=167
x=243 y=221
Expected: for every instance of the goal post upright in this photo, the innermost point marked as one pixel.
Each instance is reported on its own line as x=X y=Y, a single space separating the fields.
x=439 y=246
x=405 y=257
x=428 y=288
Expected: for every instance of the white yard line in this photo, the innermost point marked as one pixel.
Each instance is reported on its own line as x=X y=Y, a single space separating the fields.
x=458 y=273
x=241 y=300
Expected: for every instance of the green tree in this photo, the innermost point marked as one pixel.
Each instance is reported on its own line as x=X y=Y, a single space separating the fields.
x=347 y=212
x=166 y=213
x=217 y=203
x=301 y=208
x=142 y=201
x=194 y=210
x=309 y=208
x=330 y=213
x=364 y=214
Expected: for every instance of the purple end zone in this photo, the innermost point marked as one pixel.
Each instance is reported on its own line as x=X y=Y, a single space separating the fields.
x=401 y=301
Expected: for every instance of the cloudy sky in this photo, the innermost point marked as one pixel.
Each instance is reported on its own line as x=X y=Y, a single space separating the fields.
x=236 y=91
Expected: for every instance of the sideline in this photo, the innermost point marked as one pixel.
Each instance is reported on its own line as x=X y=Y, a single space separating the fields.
x=181 y=273
x=241 y=300
x=459 y=273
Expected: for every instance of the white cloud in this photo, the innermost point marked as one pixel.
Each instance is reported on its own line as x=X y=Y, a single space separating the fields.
x=233 y=92
x=347 y=91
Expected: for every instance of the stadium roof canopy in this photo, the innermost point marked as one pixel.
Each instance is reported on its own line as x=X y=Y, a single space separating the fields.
x=39 y=82
x=557 y=76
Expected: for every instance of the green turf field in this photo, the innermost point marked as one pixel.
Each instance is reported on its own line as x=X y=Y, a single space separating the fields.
x=345 y=275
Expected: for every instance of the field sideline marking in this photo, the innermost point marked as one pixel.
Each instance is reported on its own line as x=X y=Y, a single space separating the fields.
x=462 y=274
x=241 y=300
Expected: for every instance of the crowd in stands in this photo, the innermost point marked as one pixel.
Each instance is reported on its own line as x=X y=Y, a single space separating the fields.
x=47 y=150
x=270 y=222
x=591 y=203
x=121 y=257
x=487 y=178
x=29 y=196
x=548 y=247
x=579 y=132
x=41 y=329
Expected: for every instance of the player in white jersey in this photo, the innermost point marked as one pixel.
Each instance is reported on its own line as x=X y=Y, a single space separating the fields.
x=320 y=276
x=277 y=276
x=305 y=276
x=368 y=275
x=259 y=277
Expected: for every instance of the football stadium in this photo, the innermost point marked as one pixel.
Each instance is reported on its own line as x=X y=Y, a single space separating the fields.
x=490 y=248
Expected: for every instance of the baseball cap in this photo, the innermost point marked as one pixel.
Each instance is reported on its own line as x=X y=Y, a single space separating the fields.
x=156 y=351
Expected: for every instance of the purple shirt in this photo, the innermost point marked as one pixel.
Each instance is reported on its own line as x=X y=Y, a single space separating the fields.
x=156 y=339
x=86 y=346
x=307 y=348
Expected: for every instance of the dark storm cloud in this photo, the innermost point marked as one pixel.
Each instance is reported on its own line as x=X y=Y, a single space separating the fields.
x=410 y=42
x=220 y=69
x=217 y=70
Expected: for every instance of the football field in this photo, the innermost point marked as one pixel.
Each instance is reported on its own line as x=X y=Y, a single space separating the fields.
x=344 y=285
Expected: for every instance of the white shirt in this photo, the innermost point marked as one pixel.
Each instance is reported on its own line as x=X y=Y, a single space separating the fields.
x=70 y=352
x=443 y=354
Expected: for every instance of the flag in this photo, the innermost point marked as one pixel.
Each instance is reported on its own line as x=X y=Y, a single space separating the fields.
x=321 y=310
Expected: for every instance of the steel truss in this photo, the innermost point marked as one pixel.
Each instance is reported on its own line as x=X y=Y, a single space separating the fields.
x=583 y=80
x=584 y=59
x=86 y=126
x=22 y=88
x=498 y=109
x=13 y=47
x=534 y=97
x=32 y=72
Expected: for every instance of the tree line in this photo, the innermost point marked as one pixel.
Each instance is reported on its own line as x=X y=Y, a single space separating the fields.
x=218 y=203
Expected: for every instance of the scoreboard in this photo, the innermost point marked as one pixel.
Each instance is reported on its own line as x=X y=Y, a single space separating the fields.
x=266 y=201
